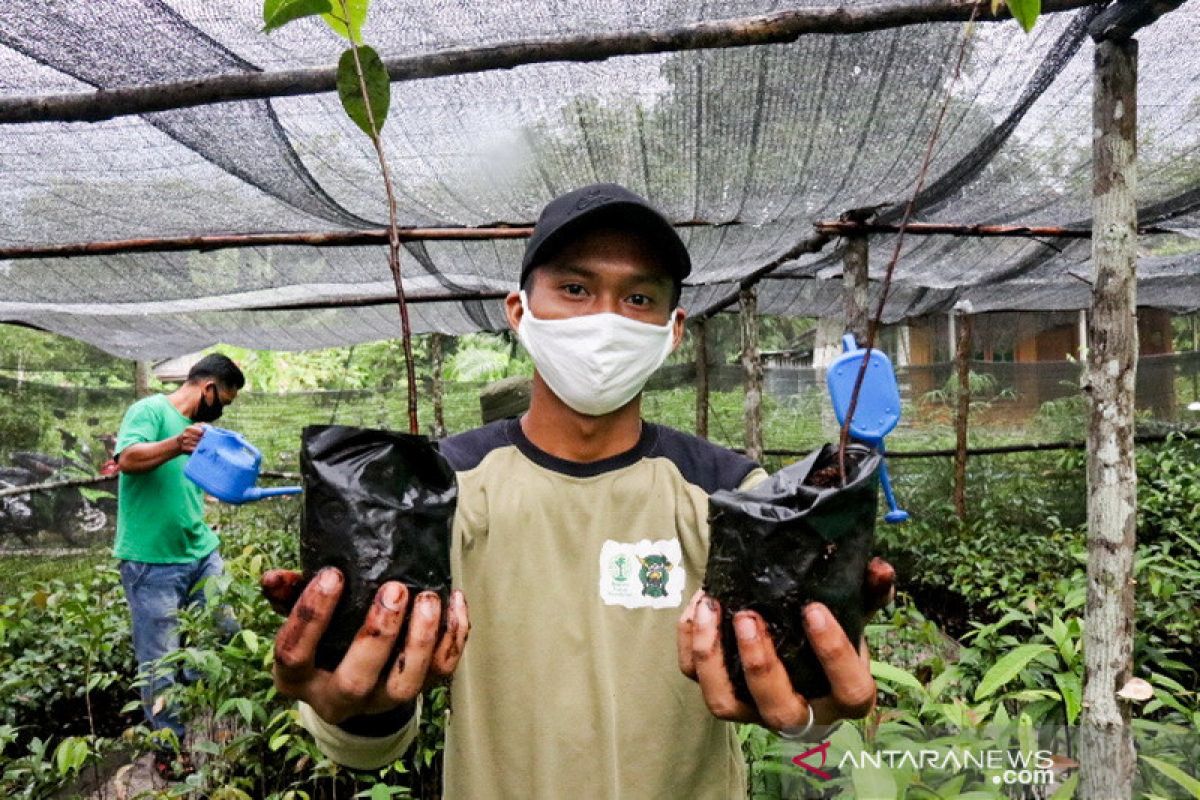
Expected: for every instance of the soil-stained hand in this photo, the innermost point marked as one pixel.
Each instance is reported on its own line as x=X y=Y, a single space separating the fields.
x=362 y=683
x=776 y=704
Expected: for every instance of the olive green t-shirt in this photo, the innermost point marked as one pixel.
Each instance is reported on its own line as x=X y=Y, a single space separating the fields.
x=575 y=576
x=160 y=513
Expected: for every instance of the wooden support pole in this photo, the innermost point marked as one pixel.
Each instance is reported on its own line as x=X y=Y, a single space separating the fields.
x=700 y=333
x=854 y=275
x=752 y=369
x=962 y=415
x=1107 y=757
x=437 y=361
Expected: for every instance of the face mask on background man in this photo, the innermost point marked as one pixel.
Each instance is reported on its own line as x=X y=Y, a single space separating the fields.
x=595 y=363
x=209 y=412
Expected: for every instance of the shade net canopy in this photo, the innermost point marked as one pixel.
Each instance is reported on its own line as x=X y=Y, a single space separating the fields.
x=755 y=144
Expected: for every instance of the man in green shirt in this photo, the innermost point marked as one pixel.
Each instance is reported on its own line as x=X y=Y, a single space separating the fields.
x=580 y=534
x=165 y=548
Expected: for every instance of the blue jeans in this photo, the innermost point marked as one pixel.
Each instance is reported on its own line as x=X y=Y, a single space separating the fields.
x=156 y=593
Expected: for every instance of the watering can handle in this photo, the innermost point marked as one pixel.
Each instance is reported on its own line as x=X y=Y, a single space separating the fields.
x=849 y=344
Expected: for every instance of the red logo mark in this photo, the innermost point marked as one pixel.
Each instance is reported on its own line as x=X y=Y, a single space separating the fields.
x=799 y=761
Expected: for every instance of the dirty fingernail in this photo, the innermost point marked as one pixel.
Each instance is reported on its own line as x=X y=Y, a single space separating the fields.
x=704 y=613
x=816 y=618
x=428 y=605
x=329 y=579
x=745 y=627
x=389 y=596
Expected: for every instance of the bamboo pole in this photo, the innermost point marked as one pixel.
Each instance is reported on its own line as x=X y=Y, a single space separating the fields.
x=1107 y=756
x=700 y=333
x=962 y=356
x=857 y=286
x=752 y=369
x=777 y=28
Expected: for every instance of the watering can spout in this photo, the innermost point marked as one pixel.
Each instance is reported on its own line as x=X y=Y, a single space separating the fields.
x=260 y=493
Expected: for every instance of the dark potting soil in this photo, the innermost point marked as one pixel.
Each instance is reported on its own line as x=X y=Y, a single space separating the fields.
x=378 y=505
x=786 y=543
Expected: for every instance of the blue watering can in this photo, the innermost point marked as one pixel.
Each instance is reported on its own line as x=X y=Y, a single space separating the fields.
x=878 y=408
x=226 y=466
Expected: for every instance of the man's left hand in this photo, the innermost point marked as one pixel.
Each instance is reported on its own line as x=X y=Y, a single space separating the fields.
x=776 y=704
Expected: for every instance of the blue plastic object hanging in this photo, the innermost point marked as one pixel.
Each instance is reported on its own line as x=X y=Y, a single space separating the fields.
x=226 y=466
x=878 y=408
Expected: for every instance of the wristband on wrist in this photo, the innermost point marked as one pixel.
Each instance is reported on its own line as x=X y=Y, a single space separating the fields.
x=379 y=725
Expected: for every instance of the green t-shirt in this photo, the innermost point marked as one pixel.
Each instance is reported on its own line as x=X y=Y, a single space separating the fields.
x=160 y=513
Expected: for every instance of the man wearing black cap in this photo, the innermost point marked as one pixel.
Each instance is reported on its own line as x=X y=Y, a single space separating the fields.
x=580 y=536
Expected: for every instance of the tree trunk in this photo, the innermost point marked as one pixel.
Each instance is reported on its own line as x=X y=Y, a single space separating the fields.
x=700 y=331
x=752 y=366
x=962 y=415
x=141 y=378
x=854 y=275
x=436 y=359
x=1107 y=755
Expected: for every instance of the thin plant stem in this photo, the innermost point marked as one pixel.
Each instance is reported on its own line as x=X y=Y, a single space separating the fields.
x=874 y=323
x=393 y=229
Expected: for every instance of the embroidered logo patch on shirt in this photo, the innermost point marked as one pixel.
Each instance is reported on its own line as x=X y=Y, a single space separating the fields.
x=642 y=574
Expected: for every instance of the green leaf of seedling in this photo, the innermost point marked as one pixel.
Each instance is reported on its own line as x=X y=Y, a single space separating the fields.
x=1008 y=668
x=378 y=84
x=1025 y=12
x=70 y=754
x=1189 y=784
x=1069 y=686
x=92 y=495
x=895 y=675
x=277 y=13
x=1067 y=790
x=353 y=11
x=872 y=781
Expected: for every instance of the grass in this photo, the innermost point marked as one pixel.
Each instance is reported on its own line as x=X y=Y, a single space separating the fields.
x=24 y=571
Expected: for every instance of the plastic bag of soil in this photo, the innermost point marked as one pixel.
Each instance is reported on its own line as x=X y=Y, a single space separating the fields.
x=378 y=506
x=795 y=538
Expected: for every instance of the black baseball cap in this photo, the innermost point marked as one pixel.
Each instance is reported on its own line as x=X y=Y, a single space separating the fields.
x=610 y=204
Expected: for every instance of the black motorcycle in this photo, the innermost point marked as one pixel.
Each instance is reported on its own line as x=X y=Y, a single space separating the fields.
x=75 y=513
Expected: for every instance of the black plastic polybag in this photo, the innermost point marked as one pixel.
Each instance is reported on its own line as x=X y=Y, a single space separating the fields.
x=785 y=543
x=378 y=506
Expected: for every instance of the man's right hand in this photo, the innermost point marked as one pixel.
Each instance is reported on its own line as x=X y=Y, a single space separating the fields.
x=190 y=438
x=361 y=684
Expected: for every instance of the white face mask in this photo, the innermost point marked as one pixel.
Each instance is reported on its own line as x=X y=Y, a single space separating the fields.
x=598 y=362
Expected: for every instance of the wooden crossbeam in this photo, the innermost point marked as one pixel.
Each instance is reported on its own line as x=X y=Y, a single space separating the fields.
x=777 y=28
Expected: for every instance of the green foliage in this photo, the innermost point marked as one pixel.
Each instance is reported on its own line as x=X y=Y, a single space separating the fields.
x=369 y=114
x=353 y=12
x=58 y=360
x=481 y=357
x=277 y=13
x=65 y=667
x=1012 y=686
x=982 y=388
x=1025 y=12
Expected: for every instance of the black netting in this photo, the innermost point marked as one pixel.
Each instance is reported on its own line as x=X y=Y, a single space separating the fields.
x=759 y=142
